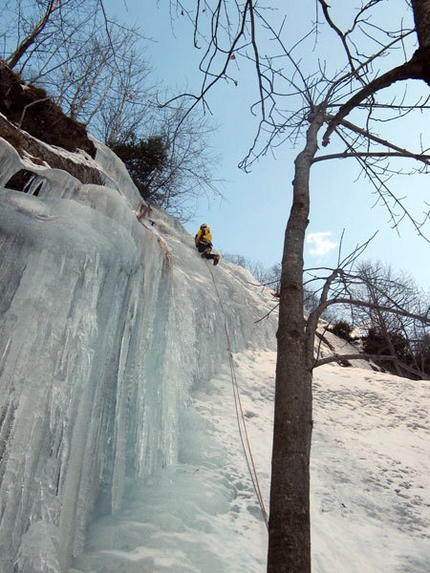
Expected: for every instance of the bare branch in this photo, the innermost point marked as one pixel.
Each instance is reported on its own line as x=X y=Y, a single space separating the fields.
x=14 y=58
x=352 y=356
x=414 y=69
x=370 y=137
x=372 y=154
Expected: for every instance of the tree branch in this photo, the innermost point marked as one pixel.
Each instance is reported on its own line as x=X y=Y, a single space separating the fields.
x=416 y=68
x=346 y=155
x=353 y=356
x=398 y=311
x=31 y=38
x=375 y=139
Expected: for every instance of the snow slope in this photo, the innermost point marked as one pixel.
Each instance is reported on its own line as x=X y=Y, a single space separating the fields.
x=119 y=442
x=370 y=481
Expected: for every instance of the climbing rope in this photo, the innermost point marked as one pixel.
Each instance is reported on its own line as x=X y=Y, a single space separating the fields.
x=246 y=445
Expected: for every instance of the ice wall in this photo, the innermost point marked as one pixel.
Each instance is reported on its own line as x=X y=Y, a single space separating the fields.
x=107 y=322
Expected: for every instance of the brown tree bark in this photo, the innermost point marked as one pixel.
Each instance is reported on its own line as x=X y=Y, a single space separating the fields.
x=289 y=524
x=421 y=10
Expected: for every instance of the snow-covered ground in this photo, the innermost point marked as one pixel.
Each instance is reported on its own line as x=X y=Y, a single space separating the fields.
x=370 y=473
x=370 y=480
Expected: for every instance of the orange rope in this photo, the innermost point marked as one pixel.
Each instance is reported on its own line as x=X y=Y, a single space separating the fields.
x=240 y=415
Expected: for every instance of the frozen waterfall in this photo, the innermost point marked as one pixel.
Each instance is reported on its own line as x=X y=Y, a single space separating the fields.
x=111 y=328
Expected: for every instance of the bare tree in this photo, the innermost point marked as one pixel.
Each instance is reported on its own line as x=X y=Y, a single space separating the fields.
x=396 y=334
x=190 y=160
x=378 y=301
x=301 y=89
x=169 y=159
x=93 y=68
x=90 y=66
x=34 y=32
x=129 y=104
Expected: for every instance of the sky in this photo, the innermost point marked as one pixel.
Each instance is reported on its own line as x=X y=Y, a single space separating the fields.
x=251 y=219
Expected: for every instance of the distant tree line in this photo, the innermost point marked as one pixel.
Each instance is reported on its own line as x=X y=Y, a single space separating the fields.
x=399 y=342
x=270 y=277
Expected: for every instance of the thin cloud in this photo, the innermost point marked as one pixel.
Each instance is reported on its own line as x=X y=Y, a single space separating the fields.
x=320 y=243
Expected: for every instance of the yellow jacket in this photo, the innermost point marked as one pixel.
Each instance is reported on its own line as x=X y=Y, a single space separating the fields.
x=204 y=233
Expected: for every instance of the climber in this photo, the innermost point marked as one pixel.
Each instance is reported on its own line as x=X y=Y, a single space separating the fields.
x=203 y=242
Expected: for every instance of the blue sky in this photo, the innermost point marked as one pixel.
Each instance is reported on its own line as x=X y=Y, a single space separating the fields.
x=251 y=220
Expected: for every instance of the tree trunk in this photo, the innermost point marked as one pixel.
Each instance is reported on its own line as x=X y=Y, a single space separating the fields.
x=421 y=9
x=289 y=524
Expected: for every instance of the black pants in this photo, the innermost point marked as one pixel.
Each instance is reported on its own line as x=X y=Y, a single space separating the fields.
x=203 y=246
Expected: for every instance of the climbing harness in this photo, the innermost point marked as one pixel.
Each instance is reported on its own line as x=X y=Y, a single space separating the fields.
x=239 y=412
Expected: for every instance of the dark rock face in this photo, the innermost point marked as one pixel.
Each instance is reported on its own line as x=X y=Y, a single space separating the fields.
x=32 y=110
